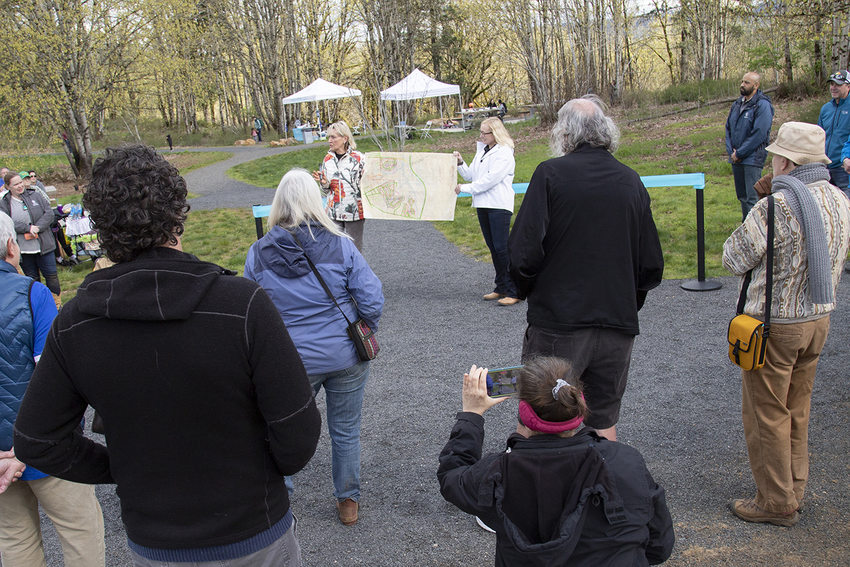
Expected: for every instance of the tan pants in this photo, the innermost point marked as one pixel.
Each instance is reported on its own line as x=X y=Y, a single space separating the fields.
x=775 y=407
x=74 y=511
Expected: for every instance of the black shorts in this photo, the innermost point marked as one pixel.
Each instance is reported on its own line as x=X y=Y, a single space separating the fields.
x=600 y=356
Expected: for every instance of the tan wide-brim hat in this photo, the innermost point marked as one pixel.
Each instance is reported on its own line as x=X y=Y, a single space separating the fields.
x=800 y=142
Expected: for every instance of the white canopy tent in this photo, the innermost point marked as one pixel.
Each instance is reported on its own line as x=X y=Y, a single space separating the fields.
x=419 y=85
x=321 y=89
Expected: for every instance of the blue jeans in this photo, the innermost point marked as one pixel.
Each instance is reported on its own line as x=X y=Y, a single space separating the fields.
x=344 y=397
x=45 y=264
x=496 y=226
x=745 y=180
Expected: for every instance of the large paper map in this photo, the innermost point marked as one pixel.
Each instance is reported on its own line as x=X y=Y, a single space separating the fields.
x=409 y=186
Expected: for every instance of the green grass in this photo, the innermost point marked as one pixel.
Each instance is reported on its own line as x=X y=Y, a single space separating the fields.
x=41 y=163
x=222 y=236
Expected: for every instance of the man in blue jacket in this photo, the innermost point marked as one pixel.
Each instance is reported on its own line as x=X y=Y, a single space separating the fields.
x=835 y=120
x=747 y=135
x=26 y=313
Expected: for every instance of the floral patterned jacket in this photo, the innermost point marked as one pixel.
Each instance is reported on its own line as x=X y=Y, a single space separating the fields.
x=343 y=175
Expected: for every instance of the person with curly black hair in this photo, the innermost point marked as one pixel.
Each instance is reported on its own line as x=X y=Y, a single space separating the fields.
x=205 y=402
x=137 y=201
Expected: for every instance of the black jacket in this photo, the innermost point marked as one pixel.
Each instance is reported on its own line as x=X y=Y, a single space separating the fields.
x=584 y=249
x=553 y=501
x=205 y=401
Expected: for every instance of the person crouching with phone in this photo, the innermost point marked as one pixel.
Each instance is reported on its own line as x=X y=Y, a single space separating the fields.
x=560 y=494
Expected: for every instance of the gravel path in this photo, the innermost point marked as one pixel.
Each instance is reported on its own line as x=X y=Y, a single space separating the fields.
x=681 y=410
x=216 y=190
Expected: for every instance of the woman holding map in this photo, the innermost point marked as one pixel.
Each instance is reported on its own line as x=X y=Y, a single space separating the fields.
x=340 y=175
x=491 y=176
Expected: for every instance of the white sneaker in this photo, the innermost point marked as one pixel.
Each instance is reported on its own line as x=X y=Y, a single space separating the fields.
x=484 y=526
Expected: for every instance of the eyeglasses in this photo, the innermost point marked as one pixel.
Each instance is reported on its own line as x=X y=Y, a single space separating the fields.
x=485 y=133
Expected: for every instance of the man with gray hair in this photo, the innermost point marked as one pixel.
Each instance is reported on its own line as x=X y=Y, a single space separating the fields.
x=26 y=313
x=584 y=251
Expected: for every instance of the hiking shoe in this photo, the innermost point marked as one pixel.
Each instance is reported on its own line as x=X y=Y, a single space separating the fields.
x=749 y=511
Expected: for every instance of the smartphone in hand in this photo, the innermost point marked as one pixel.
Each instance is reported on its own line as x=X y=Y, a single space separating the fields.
x=501 y=382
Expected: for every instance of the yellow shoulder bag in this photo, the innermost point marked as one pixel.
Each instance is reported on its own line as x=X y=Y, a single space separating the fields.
x=747 y=336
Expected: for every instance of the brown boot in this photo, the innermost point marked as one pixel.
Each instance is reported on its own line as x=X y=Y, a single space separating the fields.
x=58 y=300
x=347 y=510
x=749 y=511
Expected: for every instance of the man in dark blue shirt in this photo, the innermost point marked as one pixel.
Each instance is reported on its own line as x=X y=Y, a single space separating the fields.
x=747 y=135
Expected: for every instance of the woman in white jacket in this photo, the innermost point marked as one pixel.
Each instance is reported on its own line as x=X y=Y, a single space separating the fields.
x=491 y=176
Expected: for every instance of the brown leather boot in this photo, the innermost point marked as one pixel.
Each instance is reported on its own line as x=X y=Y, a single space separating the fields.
x=347 y=510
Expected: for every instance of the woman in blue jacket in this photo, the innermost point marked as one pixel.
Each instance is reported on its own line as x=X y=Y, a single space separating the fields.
x=278 y=262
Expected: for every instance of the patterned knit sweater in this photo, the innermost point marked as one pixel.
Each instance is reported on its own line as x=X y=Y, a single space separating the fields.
x=745 y=249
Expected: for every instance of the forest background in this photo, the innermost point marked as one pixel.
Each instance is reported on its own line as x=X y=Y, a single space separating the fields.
x=90 y=69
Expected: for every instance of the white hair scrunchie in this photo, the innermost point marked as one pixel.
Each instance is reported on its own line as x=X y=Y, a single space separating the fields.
x=558 y=385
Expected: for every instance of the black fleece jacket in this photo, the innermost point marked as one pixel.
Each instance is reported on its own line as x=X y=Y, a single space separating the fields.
x=205 y=401
x=581 y=501
x=584 y=249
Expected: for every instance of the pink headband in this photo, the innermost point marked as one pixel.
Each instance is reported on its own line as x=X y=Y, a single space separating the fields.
x=531 y=420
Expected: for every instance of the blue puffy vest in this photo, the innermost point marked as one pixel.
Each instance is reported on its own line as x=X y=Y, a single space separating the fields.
x=16 y=349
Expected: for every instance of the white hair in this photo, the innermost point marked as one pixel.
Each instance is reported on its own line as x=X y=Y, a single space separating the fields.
x=298 y=200
x=7 y=231
x=583 y=121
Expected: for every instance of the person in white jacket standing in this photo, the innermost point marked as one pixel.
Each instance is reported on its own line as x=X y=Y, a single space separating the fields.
x=491 y=176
